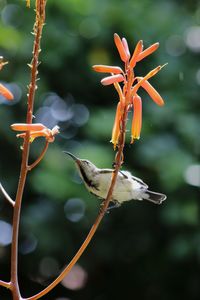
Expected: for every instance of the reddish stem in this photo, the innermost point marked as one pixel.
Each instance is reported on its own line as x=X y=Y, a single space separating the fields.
x=38 y=26
x=35 y=163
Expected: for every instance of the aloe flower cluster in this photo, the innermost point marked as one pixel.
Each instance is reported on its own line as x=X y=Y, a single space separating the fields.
x=127 y=85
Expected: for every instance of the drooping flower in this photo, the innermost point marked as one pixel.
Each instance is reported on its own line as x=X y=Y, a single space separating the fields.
x=36 y=130
x=116 y=127
x=137 y=118
x=127 y=85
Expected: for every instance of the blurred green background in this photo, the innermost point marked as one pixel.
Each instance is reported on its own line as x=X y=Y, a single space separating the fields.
x=140 y=251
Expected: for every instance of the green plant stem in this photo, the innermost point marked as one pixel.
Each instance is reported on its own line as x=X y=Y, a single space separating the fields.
x=40 y=15
x=118 y=162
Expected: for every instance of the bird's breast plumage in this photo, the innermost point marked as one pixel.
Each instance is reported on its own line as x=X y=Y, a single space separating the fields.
x=126 y=187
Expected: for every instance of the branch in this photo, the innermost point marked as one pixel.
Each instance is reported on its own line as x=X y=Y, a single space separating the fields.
x=6 y=195
x=118 y=162
x=5 y=284
x=33 y=165
x=38 y=26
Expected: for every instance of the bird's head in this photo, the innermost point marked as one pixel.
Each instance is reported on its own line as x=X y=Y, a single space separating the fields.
x=83 y=165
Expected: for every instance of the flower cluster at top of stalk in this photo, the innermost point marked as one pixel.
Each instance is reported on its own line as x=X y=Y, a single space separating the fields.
x=127 y=90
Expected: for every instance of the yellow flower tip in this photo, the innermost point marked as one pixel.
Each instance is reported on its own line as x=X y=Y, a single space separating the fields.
x=107 y=69
x=133 y=138
x=163 y=65
x=27 y=127
x=112 y=79
x=114 y=144
x=28 y=4
x=120 y=47
x=5 y=92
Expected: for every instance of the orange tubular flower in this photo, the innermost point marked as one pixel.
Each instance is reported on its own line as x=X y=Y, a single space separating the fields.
x=35 y=131
x=148 y=51
x=127 y=85
x=120 y=47
x=107 y=69
x=137 y=51
x=126 y=47
x=155 y=96
x=5 y=92
x=116 y=127
x=137 y=118
x=112 y=79
x=27 y=127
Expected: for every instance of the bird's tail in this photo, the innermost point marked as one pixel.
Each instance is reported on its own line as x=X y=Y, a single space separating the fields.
x=154 y=197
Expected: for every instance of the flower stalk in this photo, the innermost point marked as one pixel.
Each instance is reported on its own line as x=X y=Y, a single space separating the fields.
x=39 y=22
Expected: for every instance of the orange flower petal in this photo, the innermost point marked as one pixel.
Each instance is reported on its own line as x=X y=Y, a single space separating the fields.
x=126 y=47
x=112 y=79
x=137 y=51
x=149 y=75
x=148 y=51
x=5 y=92
x=155 y=96
x=107 y=69
x=27 y=127
x=116 y=126
x=137 y=118
x=46 y=132
x=120 y=47
x=33 y=134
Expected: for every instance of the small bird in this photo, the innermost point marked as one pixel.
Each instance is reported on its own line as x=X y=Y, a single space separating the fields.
x=127 y=187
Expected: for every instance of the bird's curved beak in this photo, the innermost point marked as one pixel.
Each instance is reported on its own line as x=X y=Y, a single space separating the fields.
x=72 y=156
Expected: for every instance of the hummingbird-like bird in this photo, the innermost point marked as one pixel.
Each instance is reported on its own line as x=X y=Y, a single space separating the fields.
x=127 y=186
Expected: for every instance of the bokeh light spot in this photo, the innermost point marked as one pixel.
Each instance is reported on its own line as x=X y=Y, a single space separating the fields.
x=175 y=45
x=75 y=279
x=60 y=111
x=192 y=38
x=28 y=245
x=74 y=209
x=6 y=233
x=89 y=28
x=81 y=114
x=198 y=76
x=192 y=175
x=48 y=267
x=11 y=15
